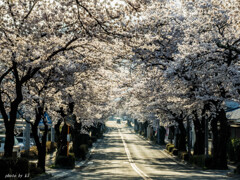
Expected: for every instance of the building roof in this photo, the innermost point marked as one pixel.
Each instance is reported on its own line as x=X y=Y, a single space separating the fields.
x=234 y=115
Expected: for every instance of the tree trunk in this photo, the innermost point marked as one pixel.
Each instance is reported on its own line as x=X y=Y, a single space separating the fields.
x=182 y=136
x=62 y=149
x=8 y=147
x=41 y=146
x=76 y=138
x=42 y=151
x=145 y=125
x=220 y=139
x=199 y=132
x=224 y=137
x=57 y=133
x=41 y=158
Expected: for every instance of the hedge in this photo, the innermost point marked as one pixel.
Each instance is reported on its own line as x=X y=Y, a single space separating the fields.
x=32 y=154
x=65 y=162
x=167 y=145
x=183 y=155
x=51 y=146
x=233 y=149
x=34 y=170
x=12 y=166
x=202 y=161
x=198 y=160
x=170 y=148
x=83 y=150
x=174 y=151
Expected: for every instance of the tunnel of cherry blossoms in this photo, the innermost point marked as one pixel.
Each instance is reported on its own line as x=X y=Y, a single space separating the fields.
x=92 y=81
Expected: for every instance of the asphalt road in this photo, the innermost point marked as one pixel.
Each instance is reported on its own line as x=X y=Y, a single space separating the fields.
x=124 y=155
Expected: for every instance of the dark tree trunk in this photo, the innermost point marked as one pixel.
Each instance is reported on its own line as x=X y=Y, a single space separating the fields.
x=199 y=132
x=41 y=146
x=62 y=149
x=199 y=143
x=8 y=148
x=145 y=125
x=57 y=132
x=76 y=138
x=182 y=136
x=224 y=137
x=9 y=125
x=129 y=123
x=42 y=151
x=162 y=132
x=220 y=130
x=62 y=136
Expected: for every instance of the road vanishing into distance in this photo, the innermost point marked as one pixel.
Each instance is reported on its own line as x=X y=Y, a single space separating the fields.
x=122 y=154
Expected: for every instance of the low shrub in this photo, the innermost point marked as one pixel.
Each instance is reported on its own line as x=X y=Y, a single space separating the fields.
x=209 y=162
x=153 y=138
x=4 y=168
x=31 y=154
x=183 y=155
x=237 y=170
x=168 y=145
x=13 y=166
x=99 y=135
x=65 y=162
x=83 y=150
x=175 y=152
x=90 y=142
x=233 y=149
x=93 y=138
x=51 y=146
x=34 y=170
x=198 y=160
x=22 y=168
x=170 y=148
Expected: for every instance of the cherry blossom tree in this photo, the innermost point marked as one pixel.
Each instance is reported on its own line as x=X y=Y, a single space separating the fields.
x=36 y=34
x=201 y=63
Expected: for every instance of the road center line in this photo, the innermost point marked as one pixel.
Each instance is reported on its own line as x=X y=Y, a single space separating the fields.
x=135 y=168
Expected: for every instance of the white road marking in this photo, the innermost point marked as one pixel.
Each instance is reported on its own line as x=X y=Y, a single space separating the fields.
x=135 y=168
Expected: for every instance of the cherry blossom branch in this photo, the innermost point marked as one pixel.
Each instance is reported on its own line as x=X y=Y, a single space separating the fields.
x=8 y=38
x=231 y=48
x=29 y=12
x=5 y=74
x=21 y=114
